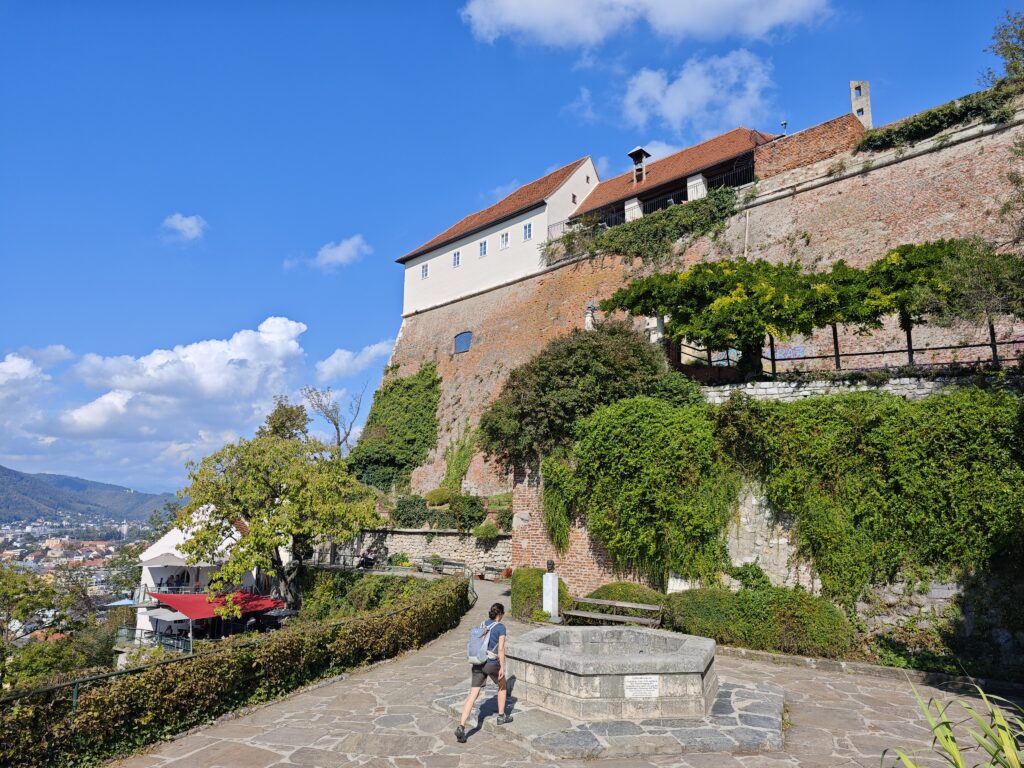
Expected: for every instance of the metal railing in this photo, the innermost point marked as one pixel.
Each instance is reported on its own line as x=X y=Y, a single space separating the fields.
x=148 y=638
x=737 y=177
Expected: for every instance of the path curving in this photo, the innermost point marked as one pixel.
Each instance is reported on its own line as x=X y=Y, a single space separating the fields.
x=382 y=717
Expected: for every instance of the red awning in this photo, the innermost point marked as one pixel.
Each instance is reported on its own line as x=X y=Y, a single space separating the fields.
x=196 y=605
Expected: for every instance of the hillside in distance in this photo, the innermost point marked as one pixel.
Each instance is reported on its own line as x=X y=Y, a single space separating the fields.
x=52 y=497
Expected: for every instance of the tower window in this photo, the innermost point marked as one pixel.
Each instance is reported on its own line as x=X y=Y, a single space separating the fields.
x=857 y=92
x=463 y=342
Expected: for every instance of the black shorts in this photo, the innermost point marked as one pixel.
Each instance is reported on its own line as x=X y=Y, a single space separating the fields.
x=482 y=671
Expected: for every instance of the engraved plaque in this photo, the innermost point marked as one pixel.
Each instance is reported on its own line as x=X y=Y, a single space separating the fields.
x=640 y=686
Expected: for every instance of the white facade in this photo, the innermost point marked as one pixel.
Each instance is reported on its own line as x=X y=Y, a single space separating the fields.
x=439 y=276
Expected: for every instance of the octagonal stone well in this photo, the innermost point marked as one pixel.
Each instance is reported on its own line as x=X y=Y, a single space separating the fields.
x=614 y=673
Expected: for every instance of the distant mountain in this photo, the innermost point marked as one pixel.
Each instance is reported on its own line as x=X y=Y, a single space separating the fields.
x=51 y=497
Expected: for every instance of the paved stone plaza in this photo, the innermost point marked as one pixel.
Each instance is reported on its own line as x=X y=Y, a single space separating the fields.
x=382 y=718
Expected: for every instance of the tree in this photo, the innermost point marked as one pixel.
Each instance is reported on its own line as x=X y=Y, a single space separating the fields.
x=322 y=402
x=287 y=421
x=1008 y=45
x=285 y=493
x=726 y=305
x=906 y=281
x=979 y=283
x=840 y=297
x=24 y=598
x=537 y=408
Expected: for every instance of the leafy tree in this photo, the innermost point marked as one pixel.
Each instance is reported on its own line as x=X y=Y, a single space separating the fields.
x=907 y=281
x=1008 y=45
x=24 y=598
x=287 y=420
x=978 y=283
x=726 y=305
x=287 y=493
x=162 y=520
x=538 y=407
x=400 y=429
x=125 y=571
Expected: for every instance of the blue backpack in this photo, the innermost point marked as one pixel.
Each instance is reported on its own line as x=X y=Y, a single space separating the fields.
x=479 y=639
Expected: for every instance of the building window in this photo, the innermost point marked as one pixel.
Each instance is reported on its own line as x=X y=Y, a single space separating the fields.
x=483 y=247
x=860 y=113
x=588 y=178
x=456 y=258
x=424 y=271
x=503 y=240
x=574 y=198
x=528 y=231
x=463 y=342
x=857 y=92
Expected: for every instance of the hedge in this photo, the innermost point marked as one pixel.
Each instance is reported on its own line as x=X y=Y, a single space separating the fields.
x=766 y=619
x=528 y=593
x=120 y=714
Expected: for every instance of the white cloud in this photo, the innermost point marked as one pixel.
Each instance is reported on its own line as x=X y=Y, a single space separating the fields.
x=660 y=149
x=582 y=106
x=16 y=369
x=334 y=255
x=708 y=95
x=587 y=23
x=174 y=393
x=48 y=356
x=344 y=362
x=183 y=228
x=502 y=190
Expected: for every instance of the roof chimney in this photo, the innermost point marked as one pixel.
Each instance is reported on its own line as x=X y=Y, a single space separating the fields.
x=860 y=101
x=638 y=156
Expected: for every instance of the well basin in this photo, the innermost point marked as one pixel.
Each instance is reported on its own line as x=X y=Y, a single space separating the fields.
x=614 y=673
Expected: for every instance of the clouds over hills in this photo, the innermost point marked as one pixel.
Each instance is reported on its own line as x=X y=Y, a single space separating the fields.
x=150 y=413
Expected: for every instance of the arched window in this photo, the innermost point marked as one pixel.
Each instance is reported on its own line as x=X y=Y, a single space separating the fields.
x=463 y=342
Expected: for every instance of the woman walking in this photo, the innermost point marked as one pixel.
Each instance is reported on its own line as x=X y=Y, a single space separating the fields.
x=493 y=668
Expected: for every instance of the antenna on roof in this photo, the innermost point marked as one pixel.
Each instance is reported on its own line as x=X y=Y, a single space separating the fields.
x=784 y=123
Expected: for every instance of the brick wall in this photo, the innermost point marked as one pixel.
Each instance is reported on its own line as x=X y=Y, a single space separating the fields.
x=584 y=566
x=801 y=149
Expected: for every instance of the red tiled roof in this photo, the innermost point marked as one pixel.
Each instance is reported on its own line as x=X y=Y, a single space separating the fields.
x=524 y=198
x=198 y=606
x=678 y=166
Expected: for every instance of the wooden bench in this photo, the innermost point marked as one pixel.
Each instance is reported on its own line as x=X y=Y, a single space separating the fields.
x=492 y=572
x=615 y=618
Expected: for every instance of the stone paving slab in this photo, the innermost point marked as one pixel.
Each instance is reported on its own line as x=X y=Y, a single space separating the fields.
x=745 y=718
x=835 y=719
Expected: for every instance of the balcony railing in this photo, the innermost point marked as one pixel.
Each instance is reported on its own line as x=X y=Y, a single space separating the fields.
x=147 y=638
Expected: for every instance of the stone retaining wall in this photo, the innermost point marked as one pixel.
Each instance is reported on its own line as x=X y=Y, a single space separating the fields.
x=911 y=388
x=421 y=544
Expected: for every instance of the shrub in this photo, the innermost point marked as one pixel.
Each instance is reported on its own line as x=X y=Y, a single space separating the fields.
x=751 y=576
x=439 y=497
x=677 y=389
x=400 y=430
x=766 y=619
x=463 y=513
x=538 y=407
x=457 y=457
x=528 y=593
x=399 y=560
x=501 y=505
x=379 y=591
x=123 y=713
x=487 y=532
x=410 y=512
x=540 y=616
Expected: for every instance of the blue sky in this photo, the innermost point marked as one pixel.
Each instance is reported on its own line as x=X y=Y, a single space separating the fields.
x=202 y=201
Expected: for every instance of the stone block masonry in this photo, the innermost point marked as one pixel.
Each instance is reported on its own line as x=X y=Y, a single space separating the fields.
x=422 y=544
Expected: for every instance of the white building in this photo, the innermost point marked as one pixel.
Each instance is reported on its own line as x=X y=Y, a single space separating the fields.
x=497 y=245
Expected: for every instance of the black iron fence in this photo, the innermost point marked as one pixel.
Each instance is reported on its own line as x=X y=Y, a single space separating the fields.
x=148 y=638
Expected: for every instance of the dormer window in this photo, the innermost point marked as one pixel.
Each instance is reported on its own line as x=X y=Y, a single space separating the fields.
x=483 y=248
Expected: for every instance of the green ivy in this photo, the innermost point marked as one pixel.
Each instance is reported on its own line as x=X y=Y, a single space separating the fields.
x=649 y=480
x=652 y=236
x=990 y=106
x=878 y=485
x=558 y=500
x=400 y=430
x=457 y=457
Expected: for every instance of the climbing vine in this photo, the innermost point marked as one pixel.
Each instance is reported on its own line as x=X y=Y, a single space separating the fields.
x=400 y=430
